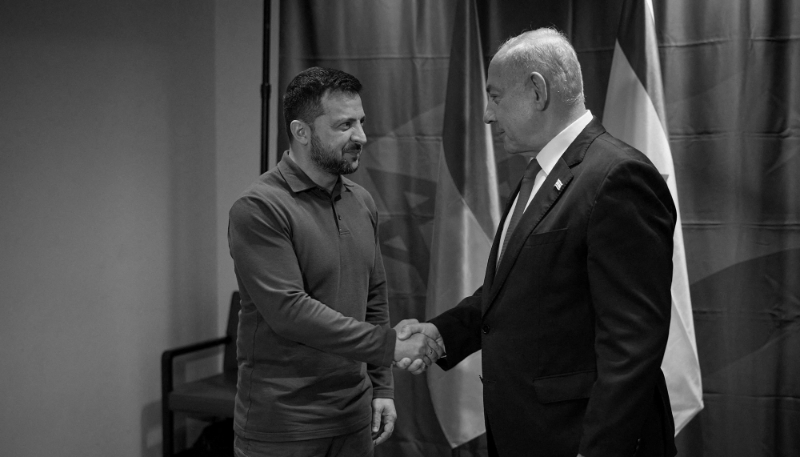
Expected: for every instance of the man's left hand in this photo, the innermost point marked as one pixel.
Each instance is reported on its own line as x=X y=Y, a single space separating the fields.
x=383 y=417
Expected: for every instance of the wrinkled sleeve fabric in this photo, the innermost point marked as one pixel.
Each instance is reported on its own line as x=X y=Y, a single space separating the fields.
x=460 y=328
x=629 y=262
x=260 y=239
x=378 y=311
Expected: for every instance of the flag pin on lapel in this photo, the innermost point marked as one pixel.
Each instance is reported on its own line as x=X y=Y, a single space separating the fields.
x=558 y=184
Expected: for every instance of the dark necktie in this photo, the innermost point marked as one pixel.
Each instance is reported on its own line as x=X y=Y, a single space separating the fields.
x=525 y=189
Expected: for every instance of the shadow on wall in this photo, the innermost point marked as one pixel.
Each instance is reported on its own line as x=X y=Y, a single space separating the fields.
x=189 y=91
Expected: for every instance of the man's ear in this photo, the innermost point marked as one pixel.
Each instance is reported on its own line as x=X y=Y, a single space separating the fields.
x=540 y=89
x=300 y=131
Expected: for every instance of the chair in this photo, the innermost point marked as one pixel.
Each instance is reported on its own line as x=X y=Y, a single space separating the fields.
x=208 y=397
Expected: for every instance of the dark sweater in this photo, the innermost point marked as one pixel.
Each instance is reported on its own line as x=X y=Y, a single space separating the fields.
x=314 y=345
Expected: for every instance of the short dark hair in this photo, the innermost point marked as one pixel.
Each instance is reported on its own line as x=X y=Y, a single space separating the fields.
x=303 y=97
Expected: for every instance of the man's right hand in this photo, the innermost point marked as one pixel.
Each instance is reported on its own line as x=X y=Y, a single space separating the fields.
x=417 y=347
x=407 y=329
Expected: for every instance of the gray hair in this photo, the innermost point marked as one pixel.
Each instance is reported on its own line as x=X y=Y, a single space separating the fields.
x=547 y=51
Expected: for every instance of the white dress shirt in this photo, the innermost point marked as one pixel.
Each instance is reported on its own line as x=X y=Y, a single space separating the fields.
x=548 y=157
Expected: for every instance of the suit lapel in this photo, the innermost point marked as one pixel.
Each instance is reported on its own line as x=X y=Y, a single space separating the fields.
x=546 y=197
x=491 y=268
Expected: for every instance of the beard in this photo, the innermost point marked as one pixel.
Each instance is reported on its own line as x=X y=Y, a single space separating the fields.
x=328 y=160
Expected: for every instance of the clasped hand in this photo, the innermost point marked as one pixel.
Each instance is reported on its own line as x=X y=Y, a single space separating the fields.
x=418 y=345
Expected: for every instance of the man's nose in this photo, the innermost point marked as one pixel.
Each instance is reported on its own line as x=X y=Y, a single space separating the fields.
x=358 y=135
x=488 y=115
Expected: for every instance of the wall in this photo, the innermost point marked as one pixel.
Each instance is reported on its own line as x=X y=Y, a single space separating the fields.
x=120 y=146
x=238 y=70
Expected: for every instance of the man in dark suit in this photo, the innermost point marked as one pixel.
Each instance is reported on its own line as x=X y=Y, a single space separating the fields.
x=574 y=312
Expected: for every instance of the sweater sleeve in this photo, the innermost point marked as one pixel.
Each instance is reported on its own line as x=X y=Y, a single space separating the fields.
x=378 y=314
x=264 y=258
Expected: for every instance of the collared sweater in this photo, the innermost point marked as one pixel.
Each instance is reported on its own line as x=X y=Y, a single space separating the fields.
x=314 y=344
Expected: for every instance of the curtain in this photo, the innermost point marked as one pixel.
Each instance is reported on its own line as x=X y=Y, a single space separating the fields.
x=400 y=52
x=732 y=83
x=731 y=73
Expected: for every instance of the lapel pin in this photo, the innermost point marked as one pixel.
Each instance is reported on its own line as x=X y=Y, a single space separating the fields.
x=558 y=184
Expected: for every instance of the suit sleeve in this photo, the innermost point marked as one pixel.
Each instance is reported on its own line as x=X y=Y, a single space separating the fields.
x=265 y=261
x=460 y=328
x=629 y=262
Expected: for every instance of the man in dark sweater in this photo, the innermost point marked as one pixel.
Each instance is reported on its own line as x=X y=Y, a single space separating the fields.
x=314 y=346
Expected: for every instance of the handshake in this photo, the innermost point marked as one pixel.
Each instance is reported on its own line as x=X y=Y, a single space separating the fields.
x=418 y=345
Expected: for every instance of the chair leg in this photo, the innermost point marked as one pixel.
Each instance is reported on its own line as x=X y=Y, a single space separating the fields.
x=168 y=432
x=167 y=416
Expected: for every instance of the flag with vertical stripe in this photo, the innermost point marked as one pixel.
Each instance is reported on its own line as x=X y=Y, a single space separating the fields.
x=466 y=216
x=634 y=112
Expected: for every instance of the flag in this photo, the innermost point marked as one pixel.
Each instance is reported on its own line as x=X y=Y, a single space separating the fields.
x=467 y=213
x=634 y=112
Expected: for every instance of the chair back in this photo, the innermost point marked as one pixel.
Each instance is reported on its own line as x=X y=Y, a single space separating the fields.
x=229 y=358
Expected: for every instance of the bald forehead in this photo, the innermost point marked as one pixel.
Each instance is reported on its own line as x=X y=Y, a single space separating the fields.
x=527 y=40
x=502 y=68
x=522 y=49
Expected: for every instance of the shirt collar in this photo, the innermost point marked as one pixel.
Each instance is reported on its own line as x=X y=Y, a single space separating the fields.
x=555 y=148
x=298 y=180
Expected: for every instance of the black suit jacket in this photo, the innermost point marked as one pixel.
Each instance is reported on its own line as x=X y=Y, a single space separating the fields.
x=573 y=322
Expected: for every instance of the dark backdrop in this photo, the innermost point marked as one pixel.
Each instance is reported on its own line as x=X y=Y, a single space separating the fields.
x=731 y=71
